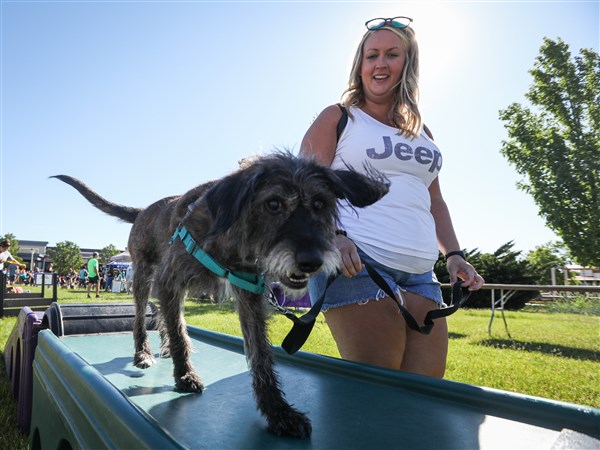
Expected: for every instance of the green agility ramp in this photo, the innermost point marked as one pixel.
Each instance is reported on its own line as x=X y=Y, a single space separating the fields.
x=87 y=394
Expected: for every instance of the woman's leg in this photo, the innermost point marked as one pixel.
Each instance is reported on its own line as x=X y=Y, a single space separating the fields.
x=373 y=333
x=425 y=354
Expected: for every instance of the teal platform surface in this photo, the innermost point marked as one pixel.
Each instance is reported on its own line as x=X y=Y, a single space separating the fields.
x=87 y=394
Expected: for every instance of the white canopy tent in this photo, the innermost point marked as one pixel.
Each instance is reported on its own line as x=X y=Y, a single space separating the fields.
x=123 y=257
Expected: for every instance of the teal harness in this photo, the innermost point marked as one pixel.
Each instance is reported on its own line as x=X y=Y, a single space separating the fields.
x=248 y=281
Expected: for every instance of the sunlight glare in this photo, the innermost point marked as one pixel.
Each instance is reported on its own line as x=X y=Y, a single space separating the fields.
x=440 y=33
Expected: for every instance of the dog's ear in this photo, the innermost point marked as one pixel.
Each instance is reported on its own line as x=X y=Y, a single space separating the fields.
x=360 y=190
x=227 y=198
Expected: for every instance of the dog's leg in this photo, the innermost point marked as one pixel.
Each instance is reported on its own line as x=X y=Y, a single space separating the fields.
x=180 y=347
x=164 y=337
x=143 y=357
x=282 y=419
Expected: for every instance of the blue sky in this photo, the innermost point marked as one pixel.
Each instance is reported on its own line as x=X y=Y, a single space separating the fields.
x=143 y=100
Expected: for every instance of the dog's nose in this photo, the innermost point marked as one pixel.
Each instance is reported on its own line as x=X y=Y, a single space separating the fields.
x=309 y=261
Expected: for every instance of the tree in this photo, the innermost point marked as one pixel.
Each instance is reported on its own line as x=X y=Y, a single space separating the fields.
x=543 y=259
x=557 y=147
x=106 y=253
x=66 y=256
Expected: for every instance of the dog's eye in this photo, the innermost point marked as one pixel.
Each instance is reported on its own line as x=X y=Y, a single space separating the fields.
x=318 y=204
x=274 y=205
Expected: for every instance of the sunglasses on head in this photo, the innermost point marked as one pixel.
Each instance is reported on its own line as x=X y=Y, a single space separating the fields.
x=397 y=22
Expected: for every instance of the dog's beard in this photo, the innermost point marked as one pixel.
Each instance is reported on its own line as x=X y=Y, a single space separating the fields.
x=280 y=265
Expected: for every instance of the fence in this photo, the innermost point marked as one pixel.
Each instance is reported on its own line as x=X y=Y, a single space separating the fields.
x=11 y=303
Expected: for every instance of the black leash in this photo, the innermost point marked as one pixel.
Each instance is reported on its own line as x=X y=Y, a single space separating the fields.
x=431 y=315
x=303 y=325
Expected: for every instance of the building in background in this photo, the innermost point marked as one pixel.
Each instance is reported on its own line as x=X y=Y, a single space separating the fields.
x=589 y=276
x=35 y=254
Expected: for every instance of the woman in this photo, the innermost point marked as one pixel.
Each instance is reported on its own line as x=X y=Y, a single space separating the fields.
x=5 y=255
x=400 y=235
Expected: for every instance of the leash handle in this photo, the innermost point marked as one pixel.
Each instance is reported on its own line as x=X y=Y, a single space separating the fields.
x=302 y=327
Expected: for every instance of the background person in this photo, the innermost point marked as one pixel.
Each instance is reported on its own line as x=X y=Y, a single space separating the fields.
x=11 y=273
x=93 y=275
x=402 y=233
x=6 y=257
x=83 y=276
x=110 y=276
x=129 y=278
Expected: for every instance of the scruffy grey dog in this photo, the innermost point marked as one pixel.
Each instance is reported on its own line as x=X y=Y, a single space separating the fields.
x=274 y=216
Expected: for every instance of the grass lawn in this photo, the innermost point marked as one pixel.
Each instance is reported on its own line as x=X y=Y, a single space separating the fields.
x=551 y=355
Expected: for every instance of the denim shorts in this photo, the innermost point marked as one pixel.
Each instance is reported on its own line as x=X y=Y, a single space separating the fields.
x=361 y=288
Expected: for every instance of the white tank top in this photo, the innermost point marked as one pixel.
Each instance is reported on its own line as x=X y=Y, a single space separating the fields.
x=397 y=231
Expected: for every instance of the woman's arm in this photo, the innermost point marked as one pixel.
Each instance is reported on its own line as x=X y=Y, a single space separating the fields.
x=320 y=142
x=448 y=242
x=320 y=139
x=10 y=260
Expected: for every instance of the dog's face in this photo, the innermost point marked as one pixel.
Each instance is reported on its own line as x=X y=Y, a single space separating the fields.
x=279 y=213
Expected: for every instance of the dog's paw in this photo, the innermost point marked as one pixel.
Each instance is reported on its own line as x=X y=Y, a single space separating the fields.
x=190 y=382
x=143 y=360
x=291 y=423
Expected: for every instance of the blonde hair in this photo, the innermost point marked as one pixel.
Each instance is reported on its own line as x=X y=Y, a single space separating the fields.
x=405 y=113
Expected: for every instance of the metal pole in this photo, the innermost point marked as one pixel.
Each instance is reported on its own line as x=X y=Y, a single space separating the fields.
x=2 y=292
x=493 y=312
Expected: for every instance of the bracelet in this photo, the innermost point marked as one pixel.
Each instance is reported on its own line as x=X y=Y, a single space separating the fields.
x=341 y=233
x=457 y=252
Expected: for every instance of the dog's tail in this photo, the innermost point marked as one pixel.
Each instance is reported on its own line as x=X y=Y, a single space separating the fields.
x=124 y=213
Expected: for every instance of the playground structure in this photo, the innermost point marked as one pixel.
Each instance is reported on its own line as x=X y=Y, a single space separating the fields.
x=86 y=393
x=18 y=361
x=70 y=319
x=12 y=303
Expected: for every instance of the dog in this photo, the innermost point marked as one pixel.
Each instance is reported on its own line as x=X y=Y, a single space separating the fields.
x=275 y=218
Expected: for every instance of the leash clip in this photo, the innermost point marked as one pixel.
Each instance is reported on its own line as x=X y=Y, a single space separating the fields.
x=175 y=234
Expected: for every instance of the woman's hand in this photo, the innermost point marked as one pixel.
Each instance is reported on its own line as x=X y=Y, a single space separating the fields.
x=351 y=263
x=459 y=268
